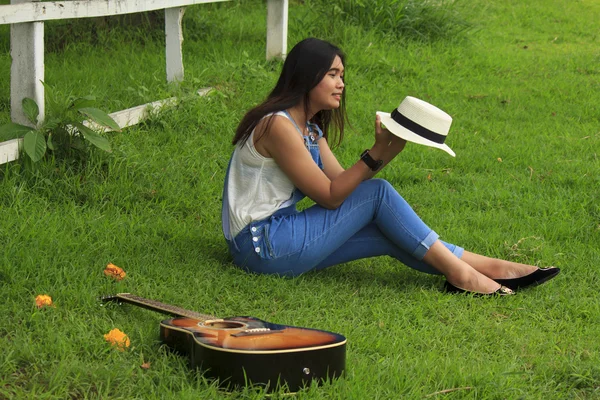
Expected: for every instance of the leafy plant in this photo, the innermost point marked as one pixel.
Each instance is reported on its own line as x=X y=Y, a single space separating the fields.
x=65 y=131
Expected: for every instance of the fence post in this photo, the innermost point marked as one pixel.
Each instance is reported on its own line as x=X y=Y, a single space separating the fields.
x=277 y=25
x=174 y=39
x=27 y=68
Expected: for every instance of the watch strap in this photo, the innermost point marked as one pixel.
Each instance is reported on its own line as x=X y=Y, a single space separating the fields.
x=373 y=164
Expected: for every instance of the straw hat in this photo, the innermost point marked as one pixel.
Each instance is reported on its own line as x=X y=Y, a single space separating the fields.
x=419 y=122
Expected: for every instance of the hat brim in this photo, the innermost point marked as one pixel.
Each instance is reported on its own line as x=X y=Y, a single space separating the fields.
x=405 y=134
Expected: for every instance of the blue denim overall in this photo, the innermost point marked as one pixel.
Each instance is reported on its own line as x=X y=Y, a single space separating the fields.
x=373 y=221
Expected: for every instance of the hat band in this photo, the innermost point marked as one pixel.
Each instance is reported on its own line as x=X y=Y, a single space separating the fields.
x=416 y=128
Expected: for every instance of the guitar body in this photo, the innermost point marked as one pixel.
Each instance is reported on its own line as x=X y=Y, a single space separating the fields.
x=281 y=355
x=241 y=351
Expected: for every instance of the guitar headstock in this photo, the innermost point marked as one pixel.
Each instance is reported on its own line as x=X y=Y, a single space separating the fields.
x=113 y=297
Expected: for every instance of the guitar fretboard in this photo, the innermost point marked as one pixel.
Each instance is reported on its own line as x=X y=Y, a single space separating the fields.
x=160 y=307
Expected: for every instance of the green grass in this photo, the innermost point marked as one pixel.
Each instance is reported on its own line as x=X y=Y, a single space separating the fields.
x=522 y=84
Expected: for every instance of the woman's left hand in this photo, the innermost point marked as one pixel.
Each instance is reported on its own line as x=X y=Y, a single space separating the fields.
x=397 y=144
x=383 y=137
x=392 y=143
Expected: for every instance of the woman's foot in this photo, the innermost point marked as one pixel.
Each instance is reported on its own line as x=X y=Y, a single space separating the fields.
x=458 y=272
x=495 y=268
x=537 y=277
x=501 y=291
x=472 y=282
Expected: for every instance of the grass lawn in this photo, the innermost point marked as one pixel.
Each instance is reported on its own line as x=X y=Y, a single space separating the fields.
x=522 y=83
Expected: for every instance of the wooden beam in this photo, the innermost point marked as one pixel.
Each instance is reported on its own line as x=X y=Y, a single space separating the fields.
x=173 y=42
x=277 y=26
x=27 y=68
x=135 y=115
x=50 y=10
x=9 y=150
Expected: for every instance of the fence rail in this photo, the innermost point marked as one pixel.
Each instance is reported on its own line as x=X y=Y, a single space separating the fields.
x=46 y=11
x=27 y=17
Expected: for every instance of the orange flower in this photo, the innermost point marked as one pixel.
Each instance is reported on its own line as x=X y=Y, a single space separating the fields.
x=114 y=272
x=43 y=300
x=117 y=338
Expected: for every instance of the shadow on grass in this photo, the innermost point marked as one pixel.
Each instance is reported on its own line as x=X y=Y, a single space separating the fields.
x=373 y=273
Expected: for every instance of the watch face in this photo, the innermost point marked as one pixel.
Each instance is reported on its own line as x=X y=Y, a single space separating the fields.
x=371 y=163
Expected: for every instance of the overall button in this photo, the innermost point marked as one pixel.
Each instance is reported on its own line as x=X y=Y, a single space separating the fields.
x=257 y=249
x=253 y=229
x=255 y=239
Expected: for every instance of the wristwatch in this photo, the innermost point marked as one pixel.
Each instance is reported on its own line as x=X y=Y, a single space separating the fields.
x=371 y=163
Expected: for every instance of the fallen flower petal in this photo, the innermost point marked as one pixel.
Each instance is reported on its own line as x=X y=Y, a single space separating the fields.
x=114 y=272
x=117 y=338
x=43 y=300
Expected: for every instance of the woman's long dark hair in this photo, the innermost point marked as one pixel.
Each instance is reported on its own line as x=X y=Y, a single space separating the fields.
x=304 y=67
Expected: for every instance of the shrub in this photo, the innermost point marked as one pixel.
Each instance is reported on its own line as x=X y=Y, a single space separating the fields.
x=63 y=132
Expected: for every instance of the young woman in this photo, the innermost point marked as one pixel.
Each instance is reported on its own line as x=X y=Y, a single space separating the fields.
x=282 y=154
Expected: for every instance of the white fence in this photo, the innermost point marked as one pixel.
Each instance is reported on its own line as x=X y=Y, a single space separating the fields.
x=27 y=47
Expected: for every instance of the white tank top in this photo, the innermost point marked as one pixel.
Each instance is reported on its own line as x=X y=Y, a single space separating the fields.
x=256 y=186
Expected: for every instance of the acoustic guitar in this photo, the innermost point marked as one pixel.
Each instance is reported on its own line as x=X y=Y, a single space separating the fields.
x=240 y=351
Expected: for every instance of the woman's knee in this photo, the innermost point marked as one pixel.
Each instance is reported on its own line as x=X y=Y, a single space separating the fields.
x=377 y=184
x=379 y=191
x=387 y=192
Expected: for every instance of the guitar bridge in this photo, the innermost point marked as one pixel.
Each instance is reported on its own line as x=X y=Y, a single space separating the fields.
x=256 y=331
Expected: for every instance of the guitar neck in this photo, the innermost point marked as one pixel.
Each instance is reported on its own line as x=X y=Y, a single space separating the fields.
x=159 y=307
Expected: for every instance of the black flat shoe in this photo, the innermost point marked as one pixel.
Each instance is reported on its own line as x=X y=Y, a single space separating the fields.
x=502 y=291
x=535 y=278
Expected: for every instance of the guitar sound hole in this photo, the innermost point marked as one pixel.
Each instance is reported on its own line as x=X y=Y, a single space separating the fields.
x=224 y=324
